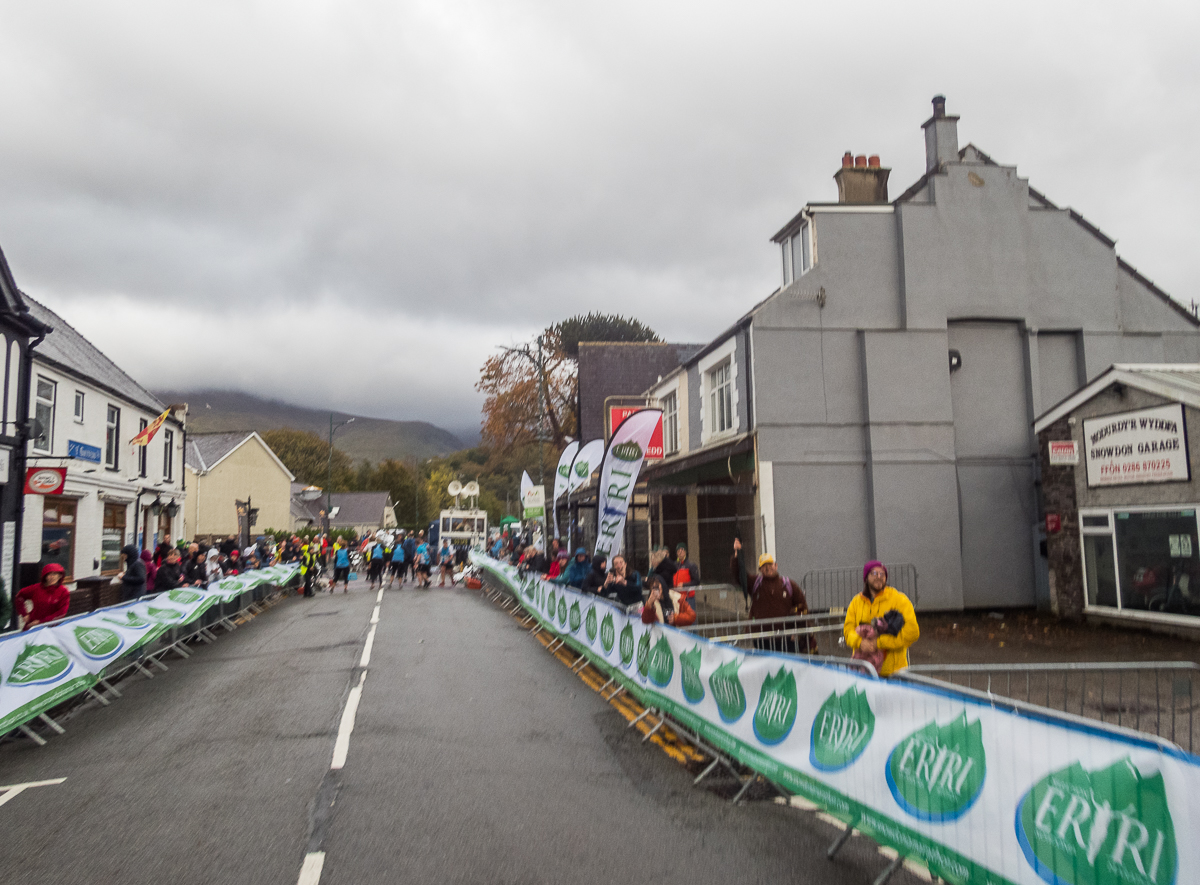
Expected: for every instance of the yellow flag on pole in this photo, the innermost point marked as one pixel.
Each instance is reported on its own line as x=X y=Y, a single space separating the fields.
x=143 y=438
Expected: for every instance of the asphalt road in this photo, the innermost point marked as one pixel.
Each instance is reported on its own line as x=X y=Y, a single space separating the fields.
x=475 y=756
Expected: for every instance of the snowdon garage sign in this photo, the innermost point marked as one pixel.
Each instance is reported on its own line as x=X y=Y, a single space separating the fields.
x=1149 y=445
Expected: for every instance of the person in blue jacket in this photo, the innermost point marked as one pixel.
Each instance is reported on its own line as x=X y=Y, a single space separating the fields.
x=576 y=571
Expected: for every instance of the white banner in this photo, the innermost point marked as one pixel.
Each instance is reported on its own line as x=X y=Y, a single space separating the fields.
x=1149 y=445
x=618 y=476
x=562 y=475
x=533 y=504
x=38 y=674
x=979 y=793
x=586 y=460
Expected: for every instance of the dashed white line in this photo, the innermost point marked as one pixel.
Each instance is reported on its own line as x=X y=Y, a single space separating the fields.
x=375 y=615
x=342 y=745
x=12 y=791
x=310 y=872
x=379 y=598
x=366 y=655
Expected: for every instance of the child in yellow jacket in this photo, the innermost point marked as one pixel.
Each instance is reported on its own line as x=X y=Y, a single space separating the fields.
x=876 y=599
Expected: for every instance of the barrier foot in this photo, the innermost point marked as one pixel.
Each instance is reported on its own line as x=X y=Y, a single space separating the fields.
x=890 y=871
x=606 y=685
x=54 y=725
x=156 y=662
x=32 y=735
x=178 y=649
x=707 y=771
x=640 y=717
x=145 y=671
x=536 y=630
x=661 y=722
x=840 y=840
x=579 y=664
x=611 y=697
x=101 y=698
x=746 y=786
x=110 y=688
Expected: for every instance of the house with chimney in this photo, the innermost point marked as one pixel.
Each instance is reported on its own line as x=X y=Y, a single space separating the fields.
x=880 y=402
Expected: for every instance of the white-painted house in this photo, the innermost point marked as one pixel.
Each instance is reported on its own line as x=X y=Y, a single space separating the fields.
x=115 y=493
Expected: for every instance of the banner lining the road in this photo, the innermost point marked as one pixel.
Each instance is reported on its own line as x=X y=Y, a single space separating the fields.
x=981 y=793
x=43 y=667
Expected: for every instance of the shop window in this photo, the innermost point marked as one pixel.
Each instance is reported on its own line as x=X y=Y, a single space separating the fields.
x=58 y=534
x=47 y=394
x=112 y=539
x=1159 y=558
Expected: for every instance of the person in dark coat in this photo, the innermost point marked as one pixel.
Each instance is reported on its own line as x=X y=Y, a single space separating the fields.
x=623 y=583
x=195 y=570
x=772 y=595
x=151 y=571
x=662 y=565
x=576 y=572
x=170 y=573
x=687 y=573
x=133 y=578
x=594 y=582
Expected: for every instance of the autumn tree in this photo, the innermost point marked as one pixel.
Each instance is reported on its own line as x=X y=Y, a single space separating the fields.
x=307 y=456
x=518 y=391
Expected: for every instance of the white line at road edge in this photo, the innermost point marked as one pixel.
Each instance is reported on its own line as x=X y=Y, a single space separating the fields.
x=310 y=873
x=342 y=745
x=366 y=655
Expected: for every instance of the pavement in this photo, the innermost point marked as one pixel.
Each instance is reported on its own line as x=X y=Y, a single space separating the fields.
x=473 y=756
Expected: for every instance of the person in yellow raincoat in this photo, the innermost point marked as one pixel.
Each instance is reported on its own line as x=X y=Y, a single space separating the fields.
x=875 y=601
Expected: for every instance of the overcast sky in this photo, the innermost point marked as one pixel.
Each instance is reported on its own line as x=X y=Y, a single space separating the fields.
x=352 y=204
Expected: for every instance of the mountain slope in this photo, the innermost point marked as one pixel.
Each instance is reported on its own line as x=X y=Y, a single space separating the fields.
x=373 y=439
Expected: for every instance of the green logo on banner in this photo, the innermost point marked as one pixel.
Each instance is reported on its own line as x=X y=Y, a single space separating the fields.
x=727 y=691
x=608 y=633
x=576 y=617
x=530 y=589
x=582 y=470
x=128 y=619
x=841 y=731
x=186 y=597
x=551 y=602
x=564 y=470
x=230 y=584
x=628 y=451
x=643 y=654
x=38 y=664
x=627 y=646
x=163 y=614
x=562 y=609
x=98 y=642
x=662 y=662
x=589 y=623
x=689 y=675
x=937 y=772
x=1108 y=827
x=776 y=711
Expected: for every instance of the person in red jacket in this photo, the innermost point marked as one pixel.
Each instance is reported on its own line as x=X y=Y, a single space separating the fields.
x=46 y=601
x=666 y=606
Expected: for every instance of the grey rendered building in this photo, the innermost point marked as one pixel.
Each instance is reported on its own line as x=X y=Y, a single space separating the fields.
x=880 y=402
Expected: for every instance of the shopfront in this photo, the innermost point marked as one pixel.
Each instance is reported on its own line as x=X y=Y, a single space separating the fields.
x=1120 y=501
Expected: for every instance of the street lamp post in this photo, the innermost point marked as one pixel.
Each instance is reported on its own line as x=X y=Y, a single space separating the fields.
x=329 y=471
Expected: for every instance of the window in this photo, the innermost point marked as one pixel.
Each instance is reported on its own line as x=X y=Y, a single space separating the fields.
x=58 y=534
x=113 y=539
x=79 y=406
x=168 y=453
x=1142 y=560
x=670 y=407
x=47 y=391
x=112 y=439
x=802 y=250
x=720 y=398
x=787 y=262
x=141 y=450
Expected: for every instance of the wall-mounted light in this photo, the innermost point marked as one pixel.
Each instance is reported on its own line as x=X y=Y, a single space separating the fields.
x=156 y=507
x=172 y=509
x=955 y=360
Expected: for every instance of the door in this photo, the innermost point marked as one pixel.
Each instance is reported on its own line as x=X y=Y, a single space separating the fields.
x=993 y=449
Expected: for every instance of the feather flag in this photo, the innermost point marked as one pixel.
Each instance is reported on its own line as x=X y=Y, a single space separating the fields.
x=144 y=436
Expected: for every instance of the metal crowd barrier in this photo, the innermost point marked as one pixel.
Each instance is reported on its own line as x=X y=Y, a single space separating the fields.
x=831 y=589
x=784 y=634
x=1153 y=697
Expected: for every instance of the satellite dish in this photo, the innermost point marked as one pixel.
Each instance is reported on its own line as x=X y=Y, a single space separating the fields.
x=471 y=489
x=455 y=488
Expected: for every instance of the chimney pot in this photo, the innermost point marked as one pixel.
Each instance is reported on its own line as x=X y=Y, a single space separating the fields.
x=847 y=159
x=939 y=106
x=860 y=160
x=873 y=161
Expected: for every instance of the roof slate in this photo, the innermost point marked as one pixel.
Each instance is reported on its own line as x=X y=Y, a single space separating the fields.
x=360 y=508
x=206 y=449
x=65 y=347
x=622 y=368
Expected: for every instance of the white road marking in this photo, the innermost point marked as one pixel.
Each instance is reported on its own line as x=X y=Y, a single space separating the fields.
x=379 y=598
x=375 y=615
x=342 y=745
x=12 y=791
x=310 y=873
x=366 y=655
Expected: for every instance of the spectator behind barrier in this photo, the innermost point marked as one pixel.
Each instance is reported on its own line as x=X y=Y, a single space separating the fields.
x=623 y=583
x=45 y=601
x=133 y=573
x=576 y=571
x=875 y=601
x=556 y=567
x=771 y=595
x=662 y=565
x=170 y=573
x=666 y=606
x=687 y=573
x=595 y=579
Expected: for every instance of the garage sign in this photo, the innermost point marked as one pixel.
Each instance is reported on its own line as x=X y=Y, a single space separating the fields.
x=1146 y=446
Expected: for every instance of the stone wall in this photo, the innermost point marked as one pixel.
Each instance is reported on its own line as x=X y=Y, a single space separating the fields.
x=1062 y=547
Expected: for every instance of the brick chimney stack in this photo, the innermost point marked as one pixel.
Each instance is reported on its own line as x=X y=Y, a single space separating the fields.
x=941 y=136
x=861 y=180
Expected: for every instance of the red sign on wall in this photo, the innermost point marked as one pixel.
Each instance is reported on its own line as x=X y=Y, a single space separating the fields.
x=1053 y=523
x=45 y=480
x=617 y=414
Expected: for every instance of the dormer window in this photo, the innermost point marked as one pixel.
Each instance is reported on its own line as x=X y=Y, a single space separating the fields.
x=797 y=253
